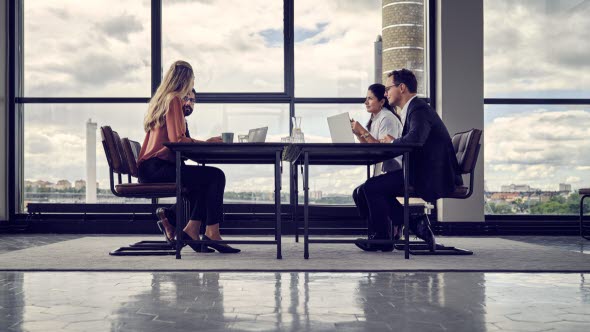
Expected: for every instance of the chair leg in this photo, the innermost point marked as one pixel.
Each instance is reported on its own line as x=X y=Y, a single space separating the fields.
x=582 y=218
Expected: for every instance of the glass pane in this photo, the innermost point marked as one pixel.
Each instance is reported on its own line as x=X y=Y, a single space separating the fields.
x=534 y=163
x=55 y=148
x=330 y=184
x=87 y=48
x=55 y=142
x=536 y=49
x=336 y=53
x=245 y=183
x=233 y=45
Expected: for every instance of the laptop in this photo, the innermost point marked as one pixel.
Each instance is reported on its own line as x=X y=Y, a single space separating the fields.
x=257 y=135
x=340 y=130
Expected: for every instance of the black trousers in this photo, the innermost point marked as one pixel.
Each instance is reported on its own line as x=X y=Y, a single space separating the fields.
x=205 y=186
x=376 y=202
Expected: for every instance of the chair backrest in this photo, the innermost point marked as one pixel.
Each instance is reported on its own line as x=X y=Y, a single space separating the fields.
x=131 y=150
x=466 y=145
x=119 y=143
x=110 y=142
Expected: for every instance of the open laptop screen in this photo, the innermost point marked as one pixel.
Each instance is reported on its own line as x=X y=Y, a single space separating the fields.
x=340 y=129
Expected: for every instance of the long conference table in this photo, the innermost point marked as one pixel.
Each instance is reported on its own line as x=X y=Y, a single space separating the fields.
x=300 y=154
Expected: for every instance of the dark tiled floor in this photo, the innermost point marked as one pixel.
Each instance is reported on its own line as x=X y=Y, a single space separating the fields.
x=571 y=243
x=11 y=242
x=293 y=301
x=76 y=301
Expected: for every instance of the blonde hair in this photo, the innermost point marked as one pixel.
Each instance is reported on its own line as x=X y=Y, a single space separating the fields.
x=176 y=83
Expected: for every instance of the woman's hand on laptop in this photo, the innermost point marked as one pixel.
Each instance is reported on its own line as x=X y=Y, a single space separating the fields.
x=215 y=139
x=387 y=139
x=357 y=128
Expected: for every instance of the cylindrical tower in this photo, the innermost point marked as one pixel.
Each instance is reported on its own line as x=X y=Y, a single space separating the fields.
x=403 y=38
x=378 y=59
x=90 y=161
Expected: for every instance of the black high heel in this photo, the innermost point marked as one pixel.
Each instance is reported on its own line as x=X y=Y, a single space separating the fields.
x=163 y=230
x=197 y=247
x=222 y=248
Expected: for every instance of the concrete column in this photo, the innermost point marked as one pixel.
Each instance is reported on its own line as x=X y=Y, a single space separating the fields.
x=3 y=112
x=459 y=90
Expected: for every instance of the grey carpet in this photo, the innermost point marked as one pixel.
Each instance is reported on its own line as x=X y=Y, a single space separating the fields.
x=491 y=254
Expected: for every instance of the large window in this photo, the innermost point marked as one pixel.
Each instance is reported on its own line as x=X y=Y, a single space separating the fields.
x=56 y=138
x=244 y=183
x=330 y=184
x=537 y=92
x=341 y=47
x=257 y=63
x=233 y=45
x=94 y=48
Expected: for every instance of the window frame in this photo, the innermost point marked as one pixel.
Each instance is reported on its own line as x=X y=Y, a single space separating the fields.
x=16 y=100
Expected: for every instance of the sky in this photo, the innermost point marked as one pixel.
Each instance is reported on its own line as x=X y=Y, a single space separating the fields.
x=533 y=48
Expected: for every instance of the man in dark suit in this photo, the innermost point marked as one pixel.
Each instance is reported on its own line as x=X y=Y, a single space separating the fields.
x=434 y=171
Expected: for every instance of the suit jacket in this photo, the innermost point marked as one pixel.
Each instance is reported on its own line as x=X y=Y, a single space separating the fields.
x=434 y=171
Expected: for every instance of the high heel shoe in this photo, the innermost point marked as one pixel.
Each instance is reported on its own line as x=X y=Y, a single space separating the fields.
x=196 y=247
x=222 y=248
x=163 y=230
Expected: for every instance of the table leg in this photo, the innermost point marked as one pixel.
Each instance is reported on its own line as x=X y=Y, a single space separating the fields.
x=295 y=186
x=278 y=203
x=306 y=205
x=406 y=206
x=179 y=205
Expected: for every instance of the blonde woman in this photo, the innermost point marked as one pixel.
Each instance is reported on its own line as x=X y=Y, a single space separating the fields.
x=163 y=123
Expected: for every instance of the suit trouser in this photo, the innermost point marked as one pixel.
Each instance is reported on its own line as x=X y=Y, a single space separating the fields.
x=205 y=186
x=376 y=202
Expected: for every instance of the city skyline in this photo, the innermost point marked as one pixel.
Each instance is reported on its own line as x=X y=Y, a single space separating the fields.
x=535 y=144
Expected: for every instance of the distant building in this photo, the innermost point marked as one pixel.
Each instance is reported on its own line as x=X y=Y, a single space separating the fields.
x=505 y=196
x=80 y=184
x=564 y=187
x=41 y=184
x=516 y=188
x=315 y=194
x=62 y=185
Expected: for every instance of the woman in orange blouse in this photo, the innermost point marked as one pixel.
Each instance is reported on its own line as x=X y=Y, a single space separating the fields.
x=163 y=123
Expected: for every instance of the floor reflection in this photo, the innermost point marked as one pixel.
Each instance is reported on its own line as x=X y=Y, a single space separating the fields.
x=293 y=301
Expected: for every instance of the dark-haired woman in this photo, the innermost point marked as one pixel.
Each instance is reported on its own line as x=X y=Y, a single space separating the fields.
x=384 y=121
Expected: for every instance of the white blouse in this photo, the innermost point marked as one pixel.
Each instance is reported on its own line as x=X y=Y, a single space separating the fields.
x=386 y=123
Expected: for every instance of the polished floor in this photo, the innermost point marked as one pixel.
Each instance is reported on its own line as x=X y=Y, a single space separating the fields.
x=72 y=301
x=302 y=301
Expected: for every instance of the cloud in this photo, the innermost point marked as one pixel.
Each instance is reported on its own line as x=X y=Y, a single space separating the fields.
x=120 y=27
x=526 y=56
x=61 y=13
x=540 y=148
x=573 y=180
x=95 y=49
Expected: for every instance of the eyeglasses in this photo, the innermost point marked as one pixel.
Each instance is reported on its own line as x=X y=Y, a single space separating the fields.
x=186 y=98
x=389 y=87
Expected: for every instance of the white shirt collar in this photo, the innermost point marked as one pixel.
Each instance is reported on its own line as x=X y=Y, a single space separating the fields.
x=405 y=110
x=378 y=115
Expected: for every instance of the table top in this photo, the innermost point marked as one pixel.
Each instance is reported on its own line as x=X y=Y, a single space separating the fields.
x=346 y=153
x=228 y=153
x=265 y=153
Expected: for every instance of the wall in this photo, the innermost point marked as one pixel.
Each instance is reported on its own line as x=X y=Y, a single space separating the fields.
x=459 y=89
